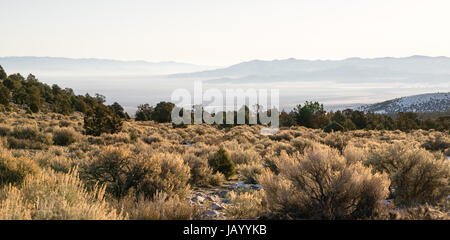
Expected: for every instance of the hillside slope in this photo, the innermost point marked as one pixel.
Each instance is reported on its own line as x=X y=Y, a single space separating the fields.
x=430 y=102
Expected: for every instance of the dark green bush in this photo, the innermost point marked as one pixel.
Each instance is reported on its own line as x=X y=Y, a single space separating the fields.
x=222 y=163
x=5 y=95
x=333 y=127
x=65 y=136
x=102 y=119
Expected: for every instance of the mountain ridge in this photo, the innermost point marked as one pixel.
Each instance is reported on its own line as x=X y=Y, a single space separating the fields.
x=96 y=66
x=414 y=68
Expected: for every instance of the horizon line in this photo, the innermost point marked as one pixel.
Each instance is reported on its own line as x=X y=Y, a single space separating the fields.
x=222 y=66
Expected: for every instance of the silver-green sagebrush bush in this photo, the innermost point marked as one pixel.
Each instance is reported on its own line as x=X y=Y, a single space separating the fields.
x=321 y=185
x=417 y=175
x=121 y=170
x=201 y=173
x=245 y=205
x=28 y=137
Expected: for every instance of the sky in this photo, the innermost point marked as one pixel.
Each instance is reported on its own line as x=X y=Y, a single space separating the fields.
x=224 y=32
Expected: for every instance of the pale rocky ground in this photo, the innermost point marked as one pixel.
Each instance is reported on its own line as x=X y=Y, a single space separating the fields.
x=216 y=199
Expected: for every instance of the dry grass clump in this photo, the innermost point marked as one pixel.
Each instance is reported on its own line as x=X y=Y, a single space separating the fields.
x=248 y=156
x=26 y=132
x=152 y=139
x=12 y=205
x=437 y=141
x=65 y=136
x=245 y=205
x=55 y=160
x=278 y=147
x=160 y=207
x=202 y=150
x=282 y=135
x=417 y=176
x=111 y=139
x=301 y=143
x=5 y=130
x=272 y=161
x=422 y=212
x=354 y=154
x=201 y=173
x=337 y=140
x=13 y=170
x=173 y=177
x=362 y=133
x=250 y=172
x=54 y=196
x=65 y=123
x=242 y=134
x=322 y=185
x=217 y=179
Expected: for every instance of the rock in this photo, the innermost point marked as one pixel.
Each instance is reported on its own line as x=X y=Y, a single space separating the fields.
x=269 y=131
x=222 y=194
x=198 y=199
x=244 y=185
x=211 y=214
x=387 y=202
x=226 y=201
x=215 y=206
x=212 y=198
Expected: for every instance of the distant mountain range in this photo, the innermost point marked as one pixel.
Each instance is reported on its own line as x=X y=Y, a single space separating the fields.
x=56 y=66
x=431 y=102
x=414 y=69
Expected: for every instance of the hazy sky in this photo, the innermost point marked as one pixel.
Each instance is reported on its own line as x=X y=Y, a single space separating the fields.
x=213 y=32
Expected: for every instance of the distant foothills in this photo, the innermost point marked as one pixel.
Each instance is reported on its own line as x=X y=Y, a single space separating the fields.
x=94 y=66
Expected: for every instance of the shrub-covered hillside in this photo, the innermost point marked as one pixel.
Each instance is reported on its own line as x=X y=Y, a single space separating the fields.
x=50 y=170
